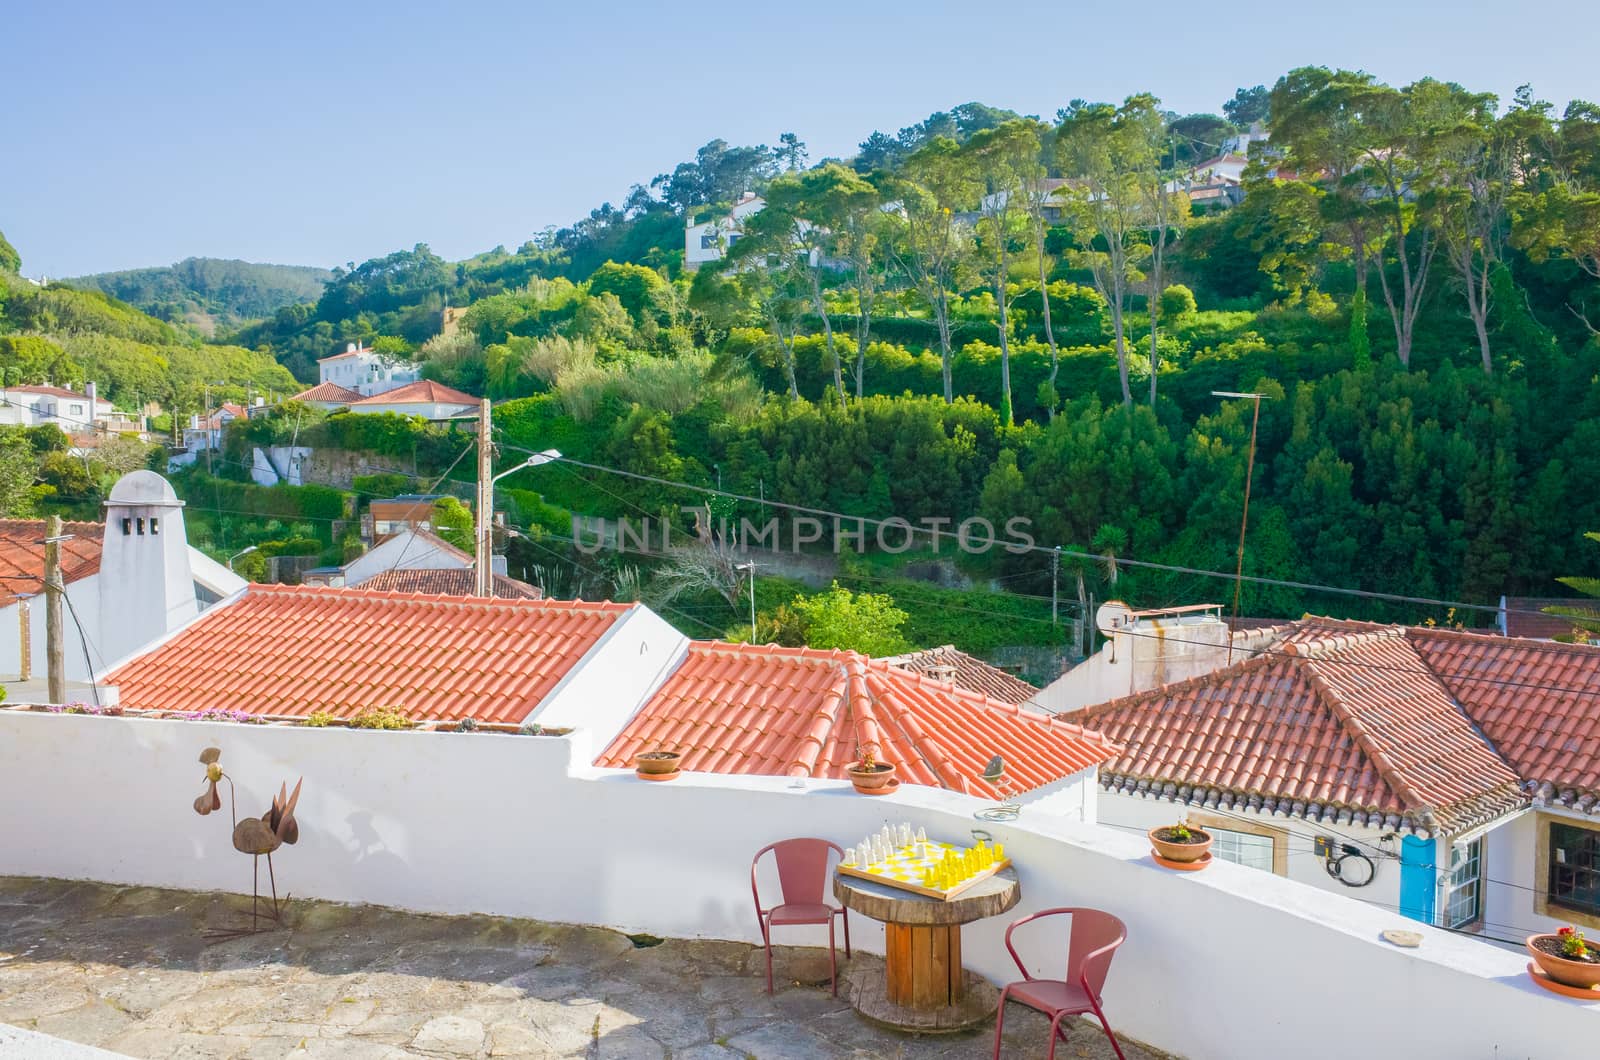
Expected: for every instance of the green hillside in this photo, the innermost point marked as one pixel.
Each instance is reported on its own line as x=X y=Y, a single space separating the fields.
x=210 y=293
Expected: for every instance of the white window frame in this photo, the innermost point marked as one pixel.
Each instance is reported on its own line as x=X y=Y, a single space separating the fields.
x=1465 y=874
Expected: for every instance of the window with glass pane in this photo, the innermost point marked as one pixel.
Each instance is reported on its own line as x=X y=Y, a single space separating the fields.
x=1575 y=867
x=1242 y=848
x=1464 y=896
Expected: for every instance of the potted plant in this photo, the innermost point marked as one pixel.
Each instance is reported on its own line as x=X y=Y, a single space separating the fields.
x=657 y=763
x=1567 y=958
x=868 y=774
x=1179 y=842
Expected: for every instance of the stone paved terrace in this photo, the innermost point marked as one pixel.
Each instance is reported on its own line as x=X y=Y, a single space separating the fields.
x=127 y=969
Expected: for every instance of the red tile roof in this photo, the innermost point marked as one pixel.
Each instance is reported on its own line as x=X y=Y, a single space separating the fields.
x=1537 y=703
x=966 y=671
x=1523 y=616
x=1330 y=719
x=294 y=650
x=422 y=391
x=329 y=392
x=458 y=581
x=22 y=555
x=776 y=711
x=51 y=391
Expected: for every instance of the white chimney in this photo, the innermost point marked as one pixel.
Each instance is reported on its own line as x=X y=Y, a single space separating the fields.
x=350 y=347
x=88 y=390
x=146 y=584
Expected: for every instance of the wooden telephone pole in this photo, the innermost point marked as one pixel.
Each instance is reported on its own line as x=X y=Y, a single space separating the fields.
x=483 y=553
x=55 y=631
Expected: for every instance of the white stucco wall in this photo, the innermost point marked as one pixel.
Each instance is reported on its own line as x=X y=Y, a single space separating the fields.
x=1134 y=815
x=85 y=596
x=606 y=687
x=1227 y=964
x=1153 y=653
x=1516 y=876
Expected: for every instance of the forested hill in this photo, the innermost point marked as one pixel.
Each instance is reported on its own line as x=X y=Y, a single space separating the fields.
x=210 y=293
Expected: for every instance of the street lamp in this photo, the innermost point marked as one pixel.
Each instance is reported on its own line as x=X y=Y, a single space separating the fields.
x=533 y=461
x=236 y=555
x=484 y=581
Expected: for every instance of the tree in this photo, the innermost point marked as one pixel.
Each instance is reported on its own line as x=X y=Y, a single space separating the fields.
x=790 y=152
x=1318 y=123
x=1101 y=154
x=866 y=622
x=10 y=260
x=452 y=521
x=1471 y=203
x=1006 y=158
x=17 y=468
x=1413 y=131
x=1036 y=188
x=1195 y=138
x=1166 y=209
x=1585 y=618
x=1249 y=105
x=933 y=247
x=820 y=209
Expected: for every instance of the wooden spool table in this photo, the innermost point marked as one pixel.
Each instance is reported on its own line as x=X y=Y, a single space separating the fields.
x=922 y=986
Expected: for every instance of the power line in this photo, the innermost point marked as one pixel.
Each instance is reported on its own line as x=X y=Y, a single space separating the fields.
x=905 y=526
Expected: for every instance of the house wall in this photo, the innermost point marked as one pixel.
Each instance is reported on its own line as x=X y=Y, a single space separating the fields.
x=1515 y=867
x=1073 y=798
x=1228 y=963
x=615 y=677
x=1154 y=653
x=1135 y=814
x=84 y=593
x=404 y=551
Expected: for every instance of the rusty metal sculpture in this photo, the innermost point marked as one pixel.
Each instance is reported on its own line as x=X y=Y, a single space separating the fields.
x=255 y=836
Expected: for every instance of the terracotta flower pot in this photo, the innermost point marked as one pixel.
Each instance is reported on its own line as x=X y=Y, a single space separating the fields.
x=1582 y=974
x=865 y=779
x=657 y=762
x=1176 y=851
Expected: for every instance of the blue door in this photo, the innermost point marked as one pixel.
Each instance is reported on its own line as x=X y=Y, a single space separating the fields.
x=1417 y=875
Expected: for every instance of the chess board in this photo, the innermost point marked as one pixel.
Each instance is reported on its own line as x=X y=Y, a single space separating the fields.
x=905 y=869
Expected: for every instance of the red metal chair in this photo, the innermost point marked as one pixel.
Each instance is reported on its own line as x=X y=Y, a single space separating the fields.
x=1094 y=941
x=802 y=877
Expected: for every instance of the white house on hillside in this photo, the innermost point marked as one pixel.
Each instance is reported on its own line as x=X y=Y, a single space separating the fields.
x=365 y=371
x=35 y=405
x=708 y=240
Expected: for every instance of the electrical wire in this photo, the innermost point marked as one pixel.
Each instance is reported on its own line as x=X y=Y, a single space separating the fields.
x=901 y=525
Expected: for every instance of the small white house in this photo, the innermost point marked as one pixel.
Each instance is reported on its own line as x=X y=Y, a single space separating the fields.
x=367 y=372
x=707 y=241
x=205 y=432
x=130 y=581
x=36 y=405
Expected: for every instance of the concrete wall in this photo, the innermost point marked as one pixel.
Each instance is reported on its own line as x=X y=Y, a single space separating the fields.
x=85 y=597
x=1228 y=963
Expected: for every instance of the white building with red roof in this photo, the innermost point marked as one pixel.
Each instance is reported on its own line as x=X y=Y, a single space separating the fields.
x=33 y=405
x=365 y=371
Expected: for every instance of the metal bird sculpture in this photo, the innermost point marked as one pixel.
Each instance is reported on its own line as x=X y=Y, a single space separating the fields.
x=255 y=836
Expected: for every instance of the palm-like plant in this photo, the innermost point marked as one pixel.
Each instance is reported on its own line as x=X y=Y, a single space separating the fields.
x=1585 y=617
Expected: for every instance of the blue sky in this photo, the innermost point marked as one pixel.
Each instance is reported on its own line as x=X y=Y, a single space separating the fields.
x=139 y=134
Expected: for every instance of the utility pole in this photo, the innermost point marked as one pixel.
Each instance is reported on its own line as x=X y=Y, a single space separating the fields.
x=1055 y=569
x=483 y=553
x=1244 y=517
x=751 y=567
x=54 y=630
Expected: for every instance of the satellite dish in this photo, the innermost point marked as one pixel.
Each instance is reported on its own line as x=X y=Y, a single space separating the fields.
x=1112 y=616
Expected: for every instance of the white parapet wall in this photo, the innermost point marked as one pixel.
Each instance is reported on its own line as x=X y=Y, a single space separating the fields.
x=1226 y=964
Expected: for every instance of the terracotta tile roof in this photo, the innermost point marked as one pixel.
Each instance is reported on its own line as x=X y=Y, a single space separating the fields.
x=966 y=671
x=51 y=391
x=1523 y=616
x=329 y=392
x=1536 y=701
x=22 y=555
x=1332 y=719
x=458 y=581
x=294 y=650
x=776 y=711
x=423 y=390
